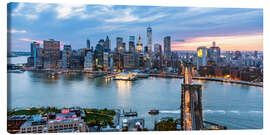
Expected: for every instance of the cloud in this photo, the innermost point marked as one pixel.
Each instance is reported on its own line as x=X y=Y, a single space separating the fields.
x=230 y=42
x=31 y=40
x=30 y=11
x=65 y=11
x=127 y=15
x=17 y=31
x=179 y=40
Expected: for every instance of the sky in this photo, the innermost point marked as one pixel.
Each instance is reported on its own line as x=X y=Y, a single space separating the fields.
x=189 y=27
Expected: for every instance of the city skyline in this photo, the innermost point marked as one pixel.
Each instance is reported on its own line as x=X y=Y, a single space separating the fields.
x=230 y=28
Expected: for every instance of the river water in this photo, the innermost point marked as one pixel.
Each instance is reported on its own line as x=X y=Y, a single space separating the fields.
x=233 y=105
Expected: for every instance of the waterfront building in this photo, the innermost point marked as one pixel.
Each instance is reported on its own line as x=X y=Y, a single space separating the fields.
x=201 y=56
x=106 y=63
x=129 y=60
x=139 y=46
x=107 y=47
x=167 y=50
x=214 y=53
x=88 y=44
x=88 y=61
x=34 y=45
x=38 y=58
x=119 y=43
x=140 y=60
x=149 y=40
x=111 y=61
x=99 y=51
x=66 y=55
x=118 y=62
x=76 y=62
x=51 y=53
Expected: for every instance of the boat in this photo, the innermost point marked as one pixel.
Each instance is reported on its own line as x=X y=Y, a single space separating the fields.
x=125 y=76
x=130 y=114
x=153 y=112
x=16 y=71
x=95 y=76
x=52 y=75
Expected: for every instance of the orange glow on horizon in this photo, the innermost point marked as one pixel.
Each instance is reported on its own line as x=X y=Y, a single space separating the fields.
x=226 y=43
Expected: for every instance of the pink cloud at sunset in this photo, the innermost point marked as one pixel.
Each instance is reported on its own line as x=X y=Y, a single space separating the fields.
x=62 y=43
x=226 y=43
x=30 y=40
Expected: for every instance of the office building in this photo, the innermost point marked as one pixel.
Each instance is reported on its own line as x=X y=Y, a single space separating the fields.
x=51 y=53
x=167 y=50
x=98 y=54
x=88 y=44
x=88 y=61
x=201 y=56
x=106 y=63
x=34 y=45
x=139 y=46
x=131 y=44
x=214 y=53
x=66 y=55
x=149 y=41
x=107 y=46
x=129 y=60
x=119 y=43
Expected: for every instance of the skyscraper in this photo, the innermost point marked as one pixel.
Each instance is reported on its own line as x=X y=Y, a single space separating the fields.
x=149 y=40
x=51 y=53
x=99 y=52
x=131 y=47
x=201 y=56
x=139 y=46
x=107 y=47
x=66 y=56
x=38 y=54
x=88 y=61
x=88 y=43
x=157 y=61
x=119 y=42
x=214 y=53
x=132 y=38
x=106 y=64
x=123 y=48
x=102 y=42
x=34 y=45
x=167 y=49
x=131 y=44
x=157 y=49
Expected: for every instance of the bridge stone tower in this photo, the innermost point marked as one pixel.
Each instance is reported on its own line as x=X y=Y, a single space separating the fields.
x=191 y=105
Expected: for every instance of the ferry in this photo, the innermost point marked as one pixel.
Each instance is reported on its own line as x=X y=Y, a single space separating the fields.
x=130 y=113
x=153 y=112
x=125 y=76
x=15 y=71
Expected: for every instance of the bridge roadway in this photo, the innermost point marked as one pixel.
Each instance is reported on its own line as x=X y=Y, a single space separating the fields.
x=190 y=117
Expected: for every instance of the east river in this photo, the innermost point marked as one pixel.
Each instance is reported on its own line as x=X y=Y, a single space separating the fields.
x=233 y=105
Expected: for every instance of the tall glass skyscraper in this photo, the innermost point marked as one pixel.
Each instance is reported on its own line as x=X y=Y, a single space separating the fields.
x=167 y=47
x=149 y=40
